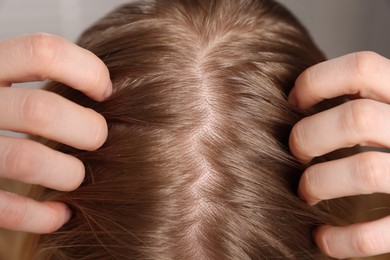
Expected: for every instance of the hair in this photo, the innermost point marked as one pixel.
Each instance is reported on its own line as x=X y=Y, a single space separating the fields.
x=196 y=164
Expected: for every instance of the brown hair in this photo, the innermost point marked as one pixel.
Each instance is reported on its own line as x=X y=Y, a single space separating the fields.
x=196 y=164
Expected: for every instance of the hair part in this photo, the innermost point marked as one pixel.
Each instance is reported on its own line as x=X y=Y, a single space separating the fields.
x=196 y=164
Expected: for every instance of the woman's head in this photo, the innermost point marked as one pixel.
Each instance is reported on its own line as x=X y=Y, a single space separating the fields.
x=196 y=164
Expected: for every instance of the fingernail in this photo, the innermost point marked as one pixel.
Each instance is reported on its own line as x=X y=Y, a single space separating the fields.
x=302 y=198
x=108 y=90
x=308 y=202
x=312 y=202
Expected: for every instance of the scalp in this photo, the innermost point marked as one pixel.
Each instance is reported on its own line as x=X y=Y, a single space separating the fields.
x=196 y=164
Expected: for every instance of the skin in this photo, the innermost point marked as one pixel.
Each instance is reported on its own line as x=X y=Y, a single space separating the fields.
x=38 y=112
x=363 y=120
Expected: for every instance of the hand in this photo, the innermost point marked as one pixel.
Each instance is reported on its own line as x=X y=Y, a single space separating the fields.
x=364 y=121
x=38 y=112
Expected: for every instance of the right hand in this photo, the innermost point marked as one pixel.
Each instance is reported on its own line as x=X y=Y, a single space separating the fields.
x=38 y=112
x=365 y=121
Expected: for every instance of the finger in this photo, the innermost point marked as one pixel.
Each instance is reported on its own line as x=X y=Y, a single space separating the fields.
x=24 y=214
x=359 y=121
x=34 y=163
x=41 y=56
x=358 y=240
x=366 y=74
x=363 y=173
x=43 y=113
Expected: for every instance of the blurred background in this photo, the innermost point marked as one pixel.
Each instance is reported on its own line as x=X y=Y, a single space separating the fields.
x=338 y=27
x=341 y=27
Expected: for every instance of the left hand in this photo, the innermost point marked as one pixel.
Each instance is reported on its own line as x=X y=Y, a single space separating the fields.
x=364 y=121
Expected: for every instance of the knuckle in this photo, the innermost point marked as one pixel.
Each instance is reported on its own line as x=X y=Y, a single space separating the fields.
x=14 y=160
x=13 y=212
x=365 y=242
x=44 y=49
x=362 y=117
x=366 y=63
x=20 y=162
x=36 y=110
x=371 y=172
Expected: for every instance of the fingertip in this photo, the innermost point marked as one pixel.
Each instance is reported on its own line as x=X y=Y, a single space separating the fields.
x=98 y=85
x=79 y=176
x=312 y=202
x=297 y=144
x=67 y=215
x=89 y=73
x=303 y=197
x=101 y=134
x=95 y=132
x=315 y=234
x=60 y=215
x=64 y=215
x=307 y=90
x=299 y=92
x=102 y=88
x=300 y=193
x=307 y=189
x=319 y=235
x=108 y=92
x=72 y=177
x=292 y=99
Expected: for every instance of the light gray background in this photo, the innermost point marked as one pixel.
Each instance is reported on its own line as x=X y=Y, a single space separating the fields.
x=338 y=27
x=343 y=26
